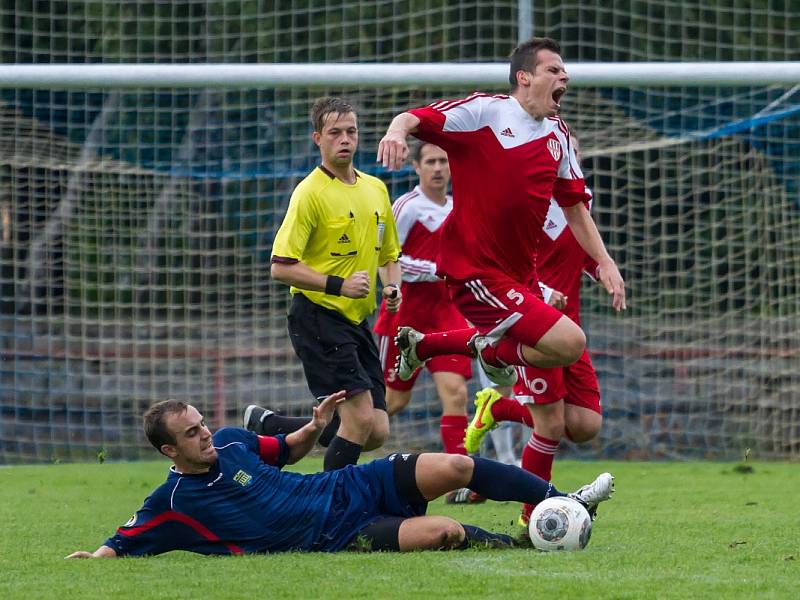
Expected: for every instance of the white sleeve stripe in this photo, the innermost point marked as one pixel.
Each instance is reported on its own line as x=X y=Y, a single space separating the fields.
x=405 y=219
x=561 y=125
x=383 y=345
x=172 y=495
x=454 y=103
x=400 y=203
x=411 y=266
x=413 y=269
x=226 y=445
x=445 y=105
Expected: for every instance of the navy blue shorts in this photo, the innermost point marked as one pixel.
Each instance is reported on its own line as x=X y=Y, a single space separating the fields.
x=336 y=354
x=401 y=499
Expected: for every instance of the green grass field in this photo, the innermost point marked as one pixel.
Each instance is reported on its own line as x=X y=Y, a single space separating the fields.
x=673 y=530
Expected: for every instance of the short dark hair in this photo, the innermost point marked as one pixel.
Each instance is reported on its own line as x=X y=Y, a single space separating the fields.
x=416 y=150
x=155 y=427
x=523 y=58
x=324 y=106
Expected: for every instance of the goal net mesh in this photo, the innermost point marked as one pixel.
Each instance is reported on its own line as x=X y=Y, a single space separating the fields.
x=136 y=226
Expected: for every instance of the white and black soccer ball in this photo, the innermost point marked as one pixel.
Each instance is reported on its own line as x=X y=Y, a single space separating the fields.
x=560 y=524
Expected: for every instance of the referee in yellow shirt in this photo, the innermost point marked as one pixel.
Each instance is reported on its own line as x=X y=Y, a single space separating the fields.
x=337 y=231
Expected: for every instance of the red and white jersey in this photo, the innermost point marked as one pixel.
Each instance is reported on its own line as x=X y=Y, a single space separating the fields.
x=419 y=220
x=419 y=223
x=562 y=261
x=505 y=167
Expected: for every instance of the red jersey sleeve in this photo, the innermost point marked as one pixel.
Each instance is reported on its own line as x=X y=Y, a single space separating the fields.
x=569 y=192
x=439 y=121
x=431 y=126
x=590 y=267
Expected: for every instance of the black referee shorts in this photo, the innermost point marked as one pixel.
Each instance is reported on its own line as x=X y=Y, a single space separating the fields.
x=336 y=354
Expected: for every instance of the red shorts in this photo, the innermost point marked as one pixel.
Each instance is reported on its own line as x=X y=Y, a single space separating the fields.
x=576 y=384
x=450 y=363
x=503 y=308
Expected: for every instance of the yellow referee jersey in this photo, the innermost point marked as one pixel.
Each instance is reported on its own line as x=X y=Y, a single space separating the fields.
x=338 y=229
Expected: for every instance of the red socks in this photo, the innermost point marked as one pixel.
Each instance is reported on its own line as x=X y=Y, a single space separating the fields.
x=452 y=428
x=441 y=343
x=508 y=409
x=537 y=457
x=446 y=342
x=506 y=352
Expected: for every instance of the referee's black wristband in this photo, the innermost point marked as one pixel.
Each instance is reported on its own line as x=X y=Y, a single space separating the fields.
x=333 y=285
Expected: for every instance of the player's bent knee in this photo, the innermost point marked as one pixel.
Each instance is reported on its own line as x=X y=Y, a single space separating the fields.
x=379 y=431
x=361 y=420
x=579 y=437
x=377 y=438
x=460 y=467
x=562 y=345
x=452 y=535
x=583 y=430
x=441 y=533
x=430 y=533
x=573 y=347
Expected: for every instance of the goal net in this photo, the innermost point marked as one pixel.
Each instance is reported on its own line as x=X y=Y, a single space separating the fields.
x=136 y=225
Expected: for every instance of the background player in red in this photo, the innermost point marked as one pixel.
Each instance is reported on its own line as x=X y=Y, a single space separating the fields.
x=509 y=155
x=419 y=215
x=561 y=402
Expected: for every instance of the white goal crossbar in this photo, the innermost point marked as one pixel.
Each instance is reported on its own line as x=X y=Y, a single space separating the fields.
x=439 y=75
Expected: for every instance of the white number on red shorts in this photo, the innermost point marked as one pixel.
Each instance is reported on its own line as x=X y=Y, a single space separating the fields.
x=515 y=296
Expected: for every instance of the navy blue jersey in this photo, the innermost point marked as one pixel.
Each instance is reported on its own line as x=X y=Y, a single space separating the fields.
x=243 y=505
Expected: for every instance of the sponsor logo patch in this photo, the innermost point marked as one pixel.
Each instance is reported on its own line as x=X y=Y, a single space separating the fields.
x=242 y=478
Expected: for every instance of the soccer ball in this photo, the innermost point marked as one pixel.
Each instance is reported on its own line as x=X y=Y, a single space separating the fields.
x=560 y=524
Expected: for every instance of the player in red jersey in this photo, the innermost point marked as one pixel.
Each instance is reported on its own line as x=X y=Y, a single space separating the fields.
x=561 y=402
x=509 y=155
x=419 y=215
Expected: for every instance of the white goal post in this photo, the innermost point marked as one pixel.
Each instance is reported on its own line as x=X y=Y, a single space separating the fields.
x=441 y=75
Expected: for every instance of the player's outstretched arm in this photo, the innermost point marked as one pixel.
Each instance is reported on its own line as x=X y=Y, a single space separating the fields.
x=101 y=552
x=393 y=149
x=301 y=442
x=585 y=231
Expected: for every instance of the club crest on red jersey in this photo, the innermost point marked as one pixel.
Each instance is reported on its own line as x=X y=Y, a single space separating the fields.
x=554 y=146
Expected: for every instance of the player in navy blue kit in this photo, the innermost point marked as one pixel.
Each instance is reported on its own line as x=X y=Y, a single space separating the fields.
x=227 y=494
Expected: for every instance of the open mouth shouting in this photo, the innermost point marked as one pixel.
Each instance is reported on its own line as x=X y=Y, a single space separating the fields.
x=557 y=95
